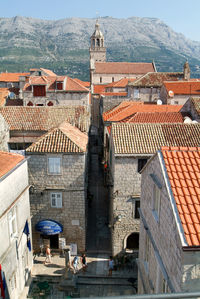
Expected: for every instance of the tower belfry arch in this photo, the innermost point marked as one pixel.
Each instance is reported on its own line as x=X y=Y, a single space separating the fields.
x=97 y=48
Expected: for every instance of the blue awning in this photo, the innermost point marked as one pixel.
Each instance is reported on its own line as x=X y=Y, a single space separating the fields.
x=49 y=227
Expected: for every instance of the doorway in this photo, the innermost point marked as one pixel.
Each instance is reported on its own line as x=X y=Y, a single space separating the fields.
x=133 y=241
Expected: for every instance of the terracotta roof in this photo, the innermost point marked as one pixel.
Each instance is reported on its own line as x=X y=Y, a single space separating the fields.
x=99 y=88
x=183 y=168
x=48 y=72
x=196 y=104
x=121 y=83
x=123 y=67
x=4 y=92
x=71 y=84
x=11 y=77
x=129 y=110
x=8 y=161
x=156 y=117
x=156 y=79
x=183 y=87
x=83 y=83
x=148 y=138
x=44 y=118
x=64 y=139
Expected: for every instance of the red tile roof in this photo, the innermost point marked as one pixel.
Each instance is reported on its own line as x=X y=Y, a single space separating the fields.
x=183 y=87
x=11 y=77
x=155 y=79
x=156 y=117
x=8 y=161
x=121 y=83
x=48 y=72
x=123 y=67
x=50 y=81
x=64 y=139
x=83 y=83
x=183 y=168
x=131 y=108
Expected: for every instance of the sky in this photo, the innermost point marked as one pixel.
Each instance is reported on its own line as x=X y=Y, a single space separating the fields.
x=181 y=15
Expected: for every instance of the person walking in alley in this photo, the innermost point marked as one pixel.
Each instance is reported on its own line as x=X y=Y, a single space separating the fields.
x=75 y=264
x=48 y=255
x=110 y=266
x=84 y=262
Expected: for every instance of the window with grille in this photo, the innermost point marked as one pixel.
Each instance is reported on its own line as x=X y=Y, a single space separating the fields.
x=56 y=199
x=12 y=223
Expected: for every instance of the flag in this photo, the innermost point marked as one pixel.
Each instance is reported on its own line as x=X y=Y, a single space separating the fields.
x=27 y=233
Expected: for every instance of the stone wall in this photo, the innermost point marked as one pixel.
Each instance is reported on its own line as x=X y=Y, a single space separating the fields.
x=126 y=190
x=71 y=183
x=109 y=78
x=110 y=102
x=4 y=134
x=16 y=263
x=61 y=98
x=145 y=94
x=165 y=236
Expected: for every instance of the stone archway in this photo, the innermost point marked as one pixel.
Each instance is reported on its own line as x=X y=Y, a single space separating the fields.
x=132 y=241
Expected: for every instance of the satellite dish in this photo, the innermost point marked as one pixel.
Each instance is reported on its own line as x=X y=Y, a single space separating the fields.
x=171 y=93
x=159 y=102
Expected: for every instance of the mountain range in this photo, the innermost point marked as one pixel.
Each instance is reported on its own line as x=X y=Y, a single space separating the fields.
x=63 y=45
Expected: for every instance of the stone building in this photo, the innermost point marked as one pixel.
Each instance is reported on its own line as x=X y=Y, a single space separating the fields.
x=12 y=82
x=58 y=175
x=128 y=148
x=27 y=124
x=4 y=134
x=179 y=92
x=170 y=222
x=15 y=224
x=192 y=106
x=41 y=90
x=102 y=72
x=147 y=88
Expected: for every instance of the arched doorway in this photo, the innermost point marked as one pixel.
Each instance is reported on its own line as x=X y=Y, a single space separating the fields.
x=132 y=241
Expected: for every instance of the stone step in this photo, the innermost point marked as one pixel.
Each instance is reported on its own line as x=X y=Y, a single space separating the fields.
x=104 y=281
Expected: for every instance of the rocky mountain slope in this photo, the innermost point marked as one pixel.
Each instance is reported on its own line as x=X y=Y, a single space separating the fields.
x=63 y=45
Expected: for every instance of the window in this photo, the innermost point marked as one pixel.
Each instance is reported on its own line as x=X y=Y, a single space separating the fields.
x=141 y=163
x=59 y=86
x=56 y=200
x=13 y=282
x=137 y=206
x=100 y=79
x=54 y=165
x=156 y=200
x=39 y=91
x=113 y=79
x=12 y=223
x=164 y=286
x=136 y=94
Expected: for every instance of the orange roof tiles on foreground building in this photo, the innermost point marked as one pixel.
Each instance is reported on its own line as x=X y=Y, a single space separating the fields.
x=8 y=161
x=64 y=139
x=183 y=169
x=156 y=117
x=127 y=110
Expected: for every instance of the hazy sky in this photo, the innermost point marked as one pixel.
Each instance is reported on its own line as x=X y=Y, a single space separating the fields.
x=181 y=15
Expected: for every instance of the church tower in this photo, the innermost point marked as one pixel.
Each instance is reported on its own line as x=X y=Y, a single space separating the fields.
x=186 y=71
x=97 y=49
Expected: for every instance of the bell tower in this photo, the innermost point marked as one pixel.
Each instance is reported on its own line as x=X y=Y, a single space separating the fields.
x=97 y=49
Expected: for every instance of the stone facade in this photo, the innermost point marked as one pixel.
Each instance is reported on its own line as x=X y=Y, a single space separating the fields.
x=71 y=183
x=125 y=198
x=145 y=94
x=163 y=264
x=189 y=108
x=4 y=134
x=15 y=257
x=60 y=98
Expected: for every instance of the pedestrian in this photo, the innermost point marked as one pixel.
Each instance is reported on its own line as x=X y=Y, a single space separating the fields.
x=84 y=262
x=110 y=266
x=75 y=264
x=48 y=255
